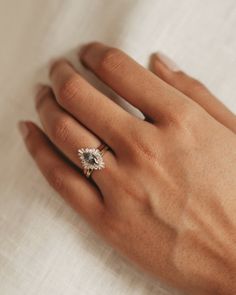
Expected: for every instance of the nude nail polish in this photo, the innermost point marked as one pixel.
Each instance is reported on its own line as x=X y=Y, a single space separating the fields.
x=23 y=128
x=168 y=62
x=39 y=91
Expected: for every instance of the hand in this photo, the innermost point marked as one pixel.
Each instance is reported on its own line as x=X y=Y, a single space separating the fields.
x=167 y=196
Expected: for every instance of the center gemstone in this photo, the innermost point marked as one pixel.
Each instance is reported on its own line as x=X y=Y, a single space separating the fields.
x=90 y=158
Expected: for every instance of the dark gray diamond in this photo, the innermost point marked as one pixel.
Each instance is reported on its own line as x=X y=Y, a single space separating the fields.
x=90 y=158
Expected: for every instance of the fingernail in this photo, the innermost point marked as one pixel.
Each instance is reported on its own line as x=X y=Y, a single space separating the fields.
x=53 y=65
x=38 y=87
x=169 y=63
x=23 y=128
x=91 y=54
x=39 y=90
x=83 y=48
x=53 y=61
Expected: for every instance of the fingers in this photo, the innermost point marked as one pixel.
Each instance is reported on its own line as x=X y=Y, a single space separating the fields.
x=68 y=134
x=82 y=195
x=93 y=109
x=168 y=71
x=130 y=80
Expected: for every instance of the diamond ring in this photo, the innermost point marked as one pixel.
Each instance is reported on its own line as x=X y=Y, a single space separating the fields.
x=92 y=159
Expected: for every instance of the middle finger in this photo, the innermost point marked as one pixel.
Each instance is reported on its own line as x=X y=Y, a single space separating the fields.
x=93 y=109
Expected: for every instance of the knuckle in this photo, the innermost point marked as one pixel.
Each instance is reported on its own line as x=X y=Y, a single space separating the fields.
x=68 y=90
x=141 y=142
x=60 y=130
x=175 y=78
x=55 y=178
x=111 y=60
x=191 y=116
x=141 y=147
x=188 y=122
x=184 y=112
x=135 y=194
x=196 y=86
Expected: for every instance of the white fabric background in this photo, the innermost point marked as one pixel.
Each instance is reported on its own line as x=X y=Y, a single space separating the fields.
x=45 y=248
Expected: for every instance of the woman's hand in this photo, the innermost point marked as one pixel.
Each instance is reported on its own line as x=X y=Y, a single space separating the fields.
x=167 y=196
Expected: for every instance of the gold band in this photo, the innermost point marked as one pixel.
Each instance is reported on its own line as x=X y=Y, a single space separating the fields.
x=103 y=148
x=88 y=172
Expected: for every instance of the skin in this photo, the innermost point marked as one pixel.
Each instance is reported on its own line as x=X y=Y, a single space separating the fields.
x=166 y=198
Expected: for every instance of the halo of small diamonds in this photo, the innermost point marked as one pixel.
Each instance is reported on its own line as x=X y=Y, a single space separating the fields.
x=91 y=159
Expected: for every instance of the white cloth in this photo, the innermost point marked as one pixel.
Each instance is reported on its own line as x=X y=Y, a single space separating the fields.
x=45 y=248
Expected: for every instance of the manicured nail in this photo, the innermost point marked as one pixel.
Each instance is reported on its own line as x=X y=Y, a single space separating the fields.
x=40 y=89
x=83 y=48
x=54 y=63
x=23 y=128
x=169 y=63
x=91 y=54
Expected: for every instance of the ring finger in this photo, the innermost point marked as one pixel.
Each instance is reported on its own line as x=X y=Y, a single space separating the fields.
x=69 y=135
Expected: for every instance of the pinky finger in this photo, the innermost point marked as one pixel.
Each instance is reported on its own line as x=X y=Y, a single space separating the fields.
x=69 y=183
x=168 y=71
